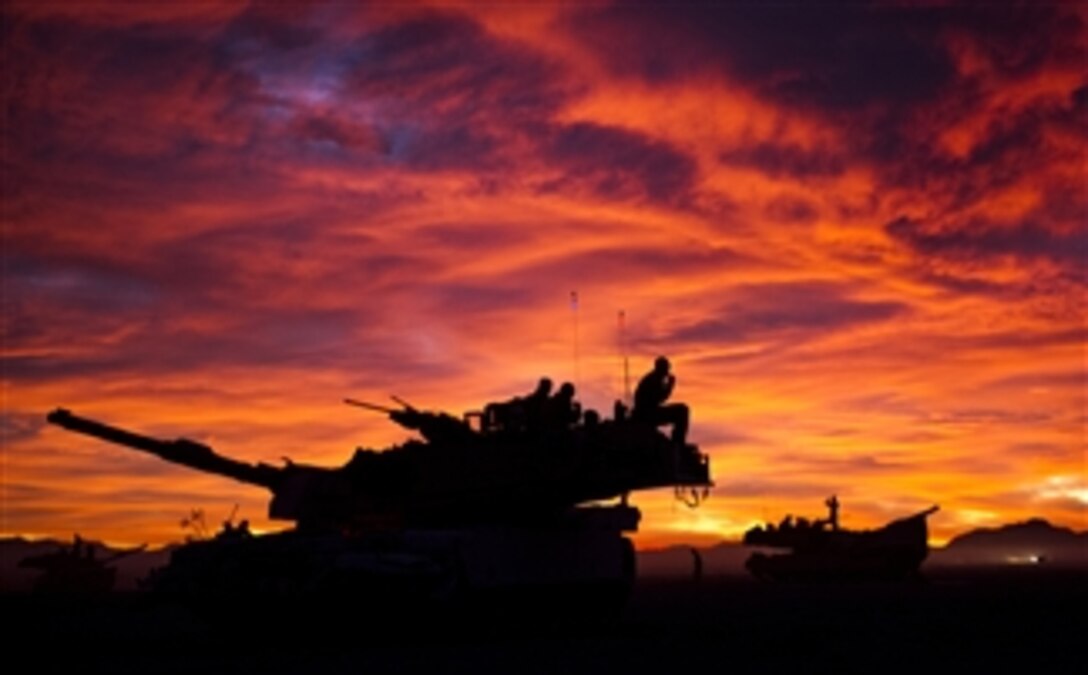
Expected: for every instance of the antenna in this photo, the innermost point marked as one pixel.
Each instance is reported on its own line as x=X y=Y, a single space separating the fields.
x=622 y=327
x=574 y=313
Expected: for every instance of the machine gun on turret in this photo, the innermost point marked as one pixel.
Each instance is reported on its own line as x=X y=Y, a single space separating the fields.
x=435 y=427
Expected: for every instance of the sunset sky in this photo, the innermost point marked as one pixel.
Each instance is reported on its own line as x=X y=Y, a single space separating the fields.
x=857 y=230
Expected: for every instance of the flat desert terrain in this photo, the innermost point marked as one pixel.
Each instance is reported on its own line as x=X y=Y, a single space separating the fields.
x=964 y=620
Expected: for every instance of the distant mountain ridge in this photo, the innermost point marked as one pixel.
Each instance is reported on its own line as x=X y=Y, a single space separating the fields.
x=1033 y=541
x=1031 y=530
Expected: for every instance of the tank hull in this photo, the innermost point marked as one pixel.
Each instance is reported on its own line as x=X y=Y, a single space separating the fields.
x=893 y=552
x=585 y=555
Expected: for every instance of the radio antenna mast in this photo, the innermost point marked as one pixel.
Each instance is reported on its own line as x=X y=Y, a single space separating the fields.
x=574 y=314
x=622 y=326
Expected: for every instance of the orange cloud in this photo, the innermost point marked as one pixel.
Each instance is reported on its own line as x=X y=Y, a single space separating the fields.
x=868 y=271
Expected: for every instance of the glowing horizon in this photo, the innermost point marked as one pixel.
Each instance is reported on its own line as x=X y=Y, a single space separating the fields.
x=857 y=231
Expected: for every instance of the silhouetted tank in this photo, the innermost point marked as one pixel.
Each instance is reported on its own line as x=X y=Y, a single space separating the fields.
x=820 y=550
x=75 y=569
x=471 y=507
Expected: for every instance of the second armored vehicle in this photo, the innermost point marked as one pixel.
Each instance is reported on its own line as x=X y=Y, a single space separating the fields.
x=820 y=550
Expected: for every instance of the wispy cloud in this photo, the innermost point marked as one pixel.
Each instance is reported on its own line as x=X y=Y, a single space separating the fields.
x=857 y=229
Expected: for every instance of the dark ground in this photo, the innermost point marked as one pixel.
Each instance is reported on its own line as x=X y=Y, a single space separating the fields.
x=967 y=621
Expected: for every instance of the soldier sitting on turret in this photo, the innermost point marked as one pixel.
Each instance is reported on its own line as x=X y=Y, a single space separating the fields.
x=534 y=408
x=561 y=410
x=832 y=519
x=591 y=419
x=650 y=396
x=520 y=413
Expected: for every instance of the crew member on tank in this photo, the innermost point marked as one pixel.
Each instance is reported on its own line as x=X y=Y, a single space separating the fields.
x=521 y=412
x=534 y=407
x=563 y=412
x=653 y=390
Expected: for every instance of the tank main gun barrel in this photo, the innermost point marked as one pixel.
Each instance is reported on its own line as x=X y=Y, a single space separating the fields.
x=179 y=451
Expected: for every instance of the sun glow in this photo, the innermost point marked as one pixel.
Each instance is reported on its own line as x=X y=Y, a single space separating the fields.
x=221 y=220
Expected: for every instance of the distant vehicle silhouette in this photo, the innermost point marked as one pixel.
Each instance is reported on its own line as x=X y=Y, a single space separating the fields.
x=822 y=550
x=474 y=506
x=78 y=569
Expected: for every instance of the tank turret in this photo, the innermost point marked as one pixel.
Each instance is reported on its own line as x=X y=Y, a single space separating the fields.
x=455 y=475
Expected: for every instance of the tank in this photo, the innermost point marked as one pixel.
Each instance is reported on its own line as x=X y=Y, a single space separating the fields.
x=820 y=550
x=488 y=502
x=76 y=569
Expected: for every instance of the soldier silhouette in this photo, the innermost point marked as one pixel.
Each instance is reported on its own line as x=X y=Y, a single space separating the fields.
x=696 y=565
x=653 y=390
x=562 y=411
x=833 y=511
x=534 y=407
